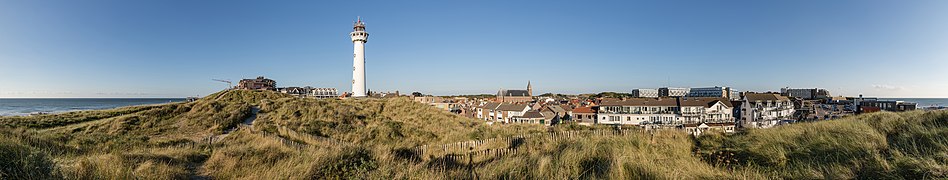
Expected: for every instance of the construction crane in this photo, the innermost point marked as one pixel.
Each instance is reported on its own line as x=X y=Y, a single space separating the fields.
x=229 y=84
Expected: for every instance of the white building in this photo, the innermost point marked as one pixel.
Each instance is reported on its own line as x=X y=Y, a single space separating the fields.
x=321 y=93
x=665 y=111
x=638 y=111
x=652 y=93
x=505 y=112
x=359 y=38
x=706 y=110
x=308 y=91
x=672 y=92
x=764 y=110
x=295 y=91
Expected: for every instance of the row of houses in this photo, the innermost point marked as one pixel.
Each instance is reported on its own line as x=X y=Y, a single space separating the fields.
x=693 y=110
x=640 y=111
x=691 y=114
x=548 y=114
x=263 y=83
x=696 y=114
x=310 y=92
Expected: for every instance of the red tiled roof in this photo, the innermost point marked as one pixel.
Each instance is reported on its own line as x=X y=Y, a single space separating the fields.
x=584 y=110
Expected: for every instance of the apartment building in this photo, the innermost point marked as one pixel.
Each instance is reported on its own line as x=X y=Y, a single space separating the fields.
x=765 y=110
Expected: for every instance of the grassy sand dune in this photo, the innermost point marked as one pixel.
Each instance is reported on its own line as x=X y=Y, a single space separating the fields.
x=294 y=138
x=885 y=145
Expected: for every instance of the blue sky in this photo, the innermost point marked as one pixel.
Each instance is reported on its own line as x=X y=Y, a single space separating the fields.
x=173 y=48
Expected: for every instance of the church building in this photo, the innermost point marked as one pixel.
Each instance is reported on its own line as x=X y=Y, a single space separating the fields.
x=516 y=96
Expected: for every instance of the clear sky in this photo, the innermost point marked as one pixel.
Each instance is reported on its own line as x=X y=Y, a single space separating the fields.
x=173 y=48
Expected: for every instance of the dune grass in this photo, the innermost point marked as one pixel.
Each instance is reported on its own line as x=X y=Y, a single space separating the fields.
x=873 y=146
x=371 y=137
x=54 y=120
x=392 y=122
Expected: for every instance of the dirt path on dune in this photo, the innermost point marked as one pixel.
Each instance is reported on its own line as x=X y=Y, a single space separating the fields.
x=197 y=168
x=253 y=116
x=249 y=122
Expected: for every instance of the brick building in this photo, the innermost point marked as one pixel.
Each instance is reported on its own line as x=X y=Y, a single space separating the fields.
x=260 y=83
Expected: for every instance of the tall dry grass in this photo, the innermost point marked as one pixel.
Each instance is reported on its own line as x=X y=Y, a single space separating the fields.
x=392 y=122
x=872 y=146
x=296 y=138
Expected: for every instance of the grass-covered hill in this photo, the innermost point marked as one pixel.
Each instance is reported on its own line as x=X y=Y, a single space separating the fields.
x=293 y=138
x=170 y=139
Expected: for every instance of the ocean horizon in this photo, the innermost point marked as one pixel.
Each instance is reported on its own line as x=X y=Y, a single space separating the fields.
x=27 y=106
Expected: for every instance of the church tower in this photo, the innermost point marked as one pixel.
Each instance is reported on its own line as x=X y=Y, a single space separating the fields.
x=359 y=38
x=529 y=88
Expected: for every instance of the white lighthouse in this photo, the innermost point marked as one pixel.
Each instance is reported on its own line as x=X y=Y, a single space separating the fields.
x=359 y=37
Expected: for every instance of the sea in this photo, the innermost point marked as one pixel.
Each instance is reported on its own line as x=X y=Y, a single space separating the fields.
x=23 y=107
